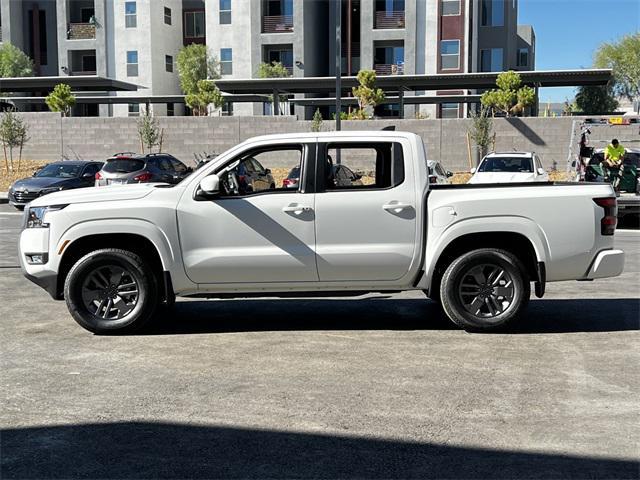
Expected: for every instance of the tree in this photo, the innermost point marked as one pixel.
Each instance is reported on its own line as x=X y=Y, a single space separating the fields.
x=623 y=57
x=13 y=62
x=194 y=65
x=596 y=100
x=206 y=94
x=274 y=70
x=481 y=131
x=316 y=123
x=368 y=96
x=61 y=99
x=13 y=133
x=148 y=130
x=510 y=98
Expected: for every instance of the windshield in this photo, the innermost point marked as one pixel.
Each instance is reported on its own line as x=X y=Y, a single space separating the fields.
x=57 y=170
x=123 y=165
x=507 y=164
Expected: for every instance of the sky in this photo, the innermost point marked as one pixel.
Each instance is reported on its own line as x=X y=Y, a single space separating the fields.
x=569 y=31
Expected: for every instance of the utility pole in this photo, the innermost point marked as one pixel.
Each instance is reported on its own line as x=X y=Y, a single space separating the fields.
x=338 y=5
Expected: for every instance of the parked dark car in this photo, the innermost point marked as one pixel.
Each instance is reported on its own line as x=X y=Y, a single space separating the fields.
x=133 y=168
x=51 y=178
x=253 y=177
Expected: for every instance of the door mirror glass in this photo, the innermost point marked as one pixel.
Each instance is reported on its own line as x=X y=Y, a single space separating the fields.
x=210 y=185
x=541 y=171
x=88 y=175
x=473 y=170
x=449 y=173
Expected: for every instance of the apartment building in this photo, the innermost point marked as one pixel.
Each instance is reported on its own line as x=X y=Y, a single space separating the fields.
x=393 y=37
x=135 y=41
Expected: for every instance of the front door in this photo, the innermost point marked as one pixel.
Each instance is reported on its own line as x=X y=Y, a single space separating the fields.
x=366 y=227
x=252 y=233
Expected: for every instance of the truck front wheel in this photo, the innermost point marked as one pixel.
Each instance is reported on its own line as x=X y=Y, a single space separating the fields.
x=484 y=289
x=111 y=291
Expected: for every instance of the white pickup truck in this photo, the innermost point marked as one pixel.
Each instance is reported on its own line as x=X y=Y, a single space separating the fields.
x=117 y=254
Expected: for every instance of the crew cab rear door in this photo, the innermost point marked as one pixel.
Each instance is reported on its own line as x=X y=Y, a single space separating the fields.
x=366 y=228
x=253 y=232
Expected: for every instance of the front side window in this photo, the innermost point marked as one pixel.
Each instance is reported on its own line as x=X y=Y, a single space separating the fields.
x=276 y=169
x=450 y=54
x=168 y=63
x=167 y=15
x=450 y=7
x=225 y=12
x=130 y=15
x=194 y=26
x=492 y=13
x=132 y=63
x=226 y=59
x=368 y=166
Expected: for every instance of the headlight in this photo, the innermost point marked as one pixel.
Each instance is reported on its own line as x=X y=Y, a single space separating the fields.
x=35 y=216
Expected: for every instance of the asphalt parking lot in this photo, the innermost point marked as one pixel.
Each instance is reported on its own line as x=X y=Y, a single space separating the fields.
x=371 y=387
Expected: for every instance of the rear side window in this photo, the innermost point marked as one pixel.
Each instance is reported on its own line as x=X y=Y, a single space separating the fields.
x=377 y=165
x=123 y=165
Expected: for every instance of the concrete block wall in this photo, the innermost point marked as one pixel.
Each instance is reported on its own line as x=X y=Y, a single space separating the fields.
x=445 y=140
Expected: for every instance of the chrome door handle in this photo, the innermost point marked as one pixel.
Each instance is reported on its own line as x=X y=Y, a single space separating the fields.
x=395 y=207
x=296 y=209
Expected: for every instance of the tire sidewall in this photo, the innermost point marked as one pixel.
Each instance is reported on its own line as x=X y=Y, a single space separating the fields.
x=147 y=291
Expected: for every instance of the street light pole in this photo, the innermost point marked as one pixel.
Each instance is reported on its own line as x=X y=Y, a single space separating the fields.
x=338 y=5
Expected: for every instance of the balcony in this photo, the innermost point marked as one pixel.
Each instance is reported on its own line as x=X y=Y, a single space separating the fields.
x=389 y=19
x=81 y=31
x=388 y=69
x=277 y=23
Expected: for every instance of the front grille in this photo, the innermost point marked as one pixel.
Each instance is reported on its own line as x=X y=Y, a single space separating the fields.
x=25 y=197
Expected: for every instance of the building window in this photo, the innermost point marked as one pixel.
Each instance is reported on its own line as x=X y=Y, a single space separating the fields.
x=225 y=12
x=491 y=60
x=168 y=63
x=492 y=13
x=449 y=110
x=450 y=54
x=134 y=109
x=450 y=7
x=170 y=110
x=523 y=57
x=167 y=15
x=194 y=26
x=226 y=58
x=130 y=15
x=132 y=63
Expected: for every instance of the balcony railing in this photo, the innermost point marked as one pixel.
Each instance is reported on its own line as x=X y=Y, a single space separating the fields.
x=79 y=73
x=389 y=19
x=277 y=23
x=388 y=69
x=81 y=31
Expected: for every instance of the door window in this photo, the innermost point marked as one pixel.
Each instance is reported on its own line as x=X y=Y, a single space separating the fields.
x=363 y=166
x=261 y=171
x=92 y=169
x=178 y=166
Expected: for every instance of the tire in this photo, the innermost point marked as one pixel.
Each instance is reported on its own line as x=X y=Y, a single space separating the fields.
x=111 y=291
x=484 y=290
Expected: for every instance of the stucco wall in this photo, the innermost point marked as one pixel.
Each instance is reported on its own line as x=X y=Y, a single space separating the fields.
x=445 y=140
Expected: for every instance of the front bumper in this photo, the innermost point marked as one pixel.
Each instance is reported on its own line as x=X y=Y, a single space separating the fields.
x=608 y=263
x=37 y=241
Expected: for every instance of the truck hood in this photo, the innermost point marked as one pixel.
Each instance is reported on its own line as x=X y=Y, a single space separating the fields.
x=502 y=177
x=132 y=191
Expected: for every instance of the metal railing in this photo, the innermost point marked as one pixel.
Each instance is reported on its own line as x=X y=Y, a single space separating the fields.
x=277 y=23
x=78 y=73
x=388 y=69
x=81 y=31
x=389 y=19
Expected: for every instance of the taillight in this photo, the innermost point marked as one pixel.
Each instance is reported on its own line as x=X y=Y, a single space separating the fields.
x=143 y=177
x=98 y=176
x=610 y=219
x=289 y=181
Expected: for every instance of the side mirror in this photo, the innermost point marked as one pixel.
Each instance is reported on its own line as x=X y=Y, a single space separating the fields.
x=449 y=173
x=210 y=185
x=357 y=176
x=541 y=171
x=88 y=175
x=473 y=170
x=268 y=171
x=189 y=170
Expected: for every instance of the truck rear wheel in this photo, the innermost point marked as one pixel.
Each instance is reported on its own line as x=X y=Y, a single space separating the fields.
x=484 y=289
x=111 y=291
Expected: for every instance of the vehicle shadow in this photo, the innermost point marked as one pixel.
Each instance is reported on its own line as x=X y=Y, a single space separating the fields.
x=171 y=450
x=385 y=313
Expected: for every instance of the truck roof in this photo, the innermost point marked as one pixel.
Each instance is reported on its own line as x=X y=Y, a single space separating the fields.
x=343 y=133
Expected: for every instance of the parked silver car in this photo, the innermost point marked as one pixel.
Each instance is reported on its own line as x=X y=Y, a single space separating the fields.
x=132 y=168
x=437 y=173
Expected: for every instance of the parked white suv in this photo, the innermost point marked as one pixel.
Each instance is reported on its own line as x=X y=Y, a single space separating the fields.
x=511 y=167
x=116 y=254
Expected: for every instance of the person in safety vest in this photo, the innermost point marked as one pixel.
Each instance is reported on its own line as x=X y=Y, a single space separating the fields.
x=613 y=156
